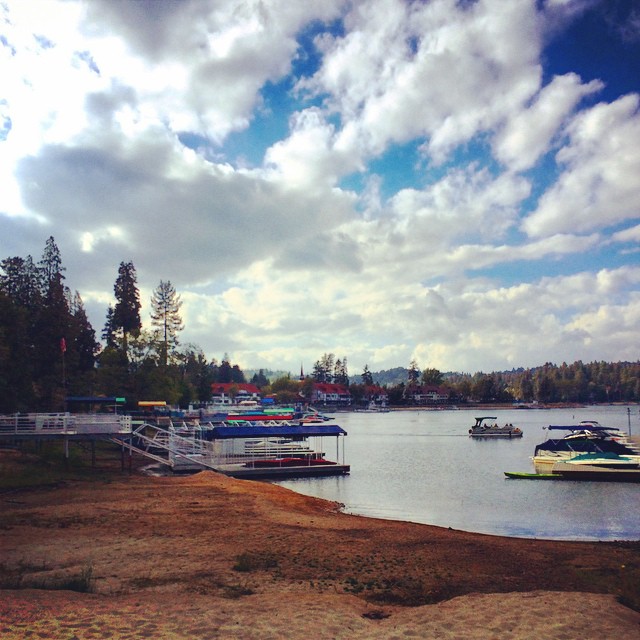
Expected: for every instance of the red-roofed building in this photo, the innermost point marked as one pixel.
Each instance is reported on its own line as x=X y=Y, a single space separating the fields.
x=376 y=394
x=234 y=392
x=427 y=394
x=330 y=393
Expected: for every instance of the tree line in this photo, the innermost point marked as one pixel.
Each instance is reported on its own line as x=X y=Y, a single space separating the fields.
x=566 y=383
x=580 y=382
x=49 y=351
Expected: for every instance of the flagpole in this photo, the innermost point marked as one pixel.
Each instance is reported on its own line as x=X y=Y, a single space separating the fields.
x=63 y=349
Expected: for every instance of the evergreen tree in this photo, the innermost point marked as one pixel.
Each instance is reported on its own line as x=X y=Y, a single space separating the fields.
x=432 y=377
x=16 y=358
x=237 y=375
x=224 y=370
x=367 y=377
x=126 y=313
x=20 y=281
x=413 y=375
x=323 y=369
x=109 y=331
x=51 y=264
x=341 y=375
x=259 y=379
x=83 y=337
x=51 y=333
x=165 y=314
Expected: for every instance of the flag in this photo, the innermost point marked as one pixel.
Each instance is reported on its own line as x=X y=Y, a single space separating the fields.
x=63 y=345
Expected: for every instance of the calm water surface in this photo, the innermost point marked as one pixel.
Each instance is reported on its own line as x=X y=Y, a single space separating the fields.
x=421 y=466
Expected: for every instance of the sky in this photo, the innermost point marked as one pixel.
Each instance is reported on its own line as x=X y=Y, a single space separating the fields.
x=453 y=182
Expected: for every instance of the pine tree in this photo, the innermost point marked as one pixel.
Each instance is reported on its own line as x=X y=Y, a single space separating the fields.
x=84 y=337
x=165 y=314
x=109 y=331
x=340 y=373
x=413 y=374
x=20 y=281
x=126 y=313
x=367 y=378
x=51 y=264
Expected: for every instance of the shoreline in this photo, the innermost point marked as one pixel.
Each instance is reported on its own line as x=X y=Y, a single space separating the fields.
x=225 y=554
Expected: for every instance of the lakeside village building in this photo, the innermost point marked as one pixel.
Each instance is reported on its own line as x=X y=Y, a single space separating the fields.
x=327 y=393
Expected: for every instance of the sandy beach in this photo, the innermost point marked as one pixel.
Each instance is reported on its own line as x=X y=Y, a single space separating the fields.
x=205 y=556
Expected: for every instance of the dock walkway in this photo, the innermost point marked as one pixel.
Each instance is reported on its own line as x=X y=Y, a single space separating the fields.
x=182 y=446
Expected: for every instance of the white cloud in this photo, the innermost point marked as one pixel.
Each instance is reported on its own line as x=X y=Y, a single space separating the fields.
x=202 y=65
x=601 y=162
x=280 y=263
x=529 y=132
x=435 y=70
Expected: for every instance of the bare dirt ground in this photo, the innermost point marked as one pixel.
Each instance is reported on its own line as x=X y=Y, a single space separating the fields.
x=205 y=556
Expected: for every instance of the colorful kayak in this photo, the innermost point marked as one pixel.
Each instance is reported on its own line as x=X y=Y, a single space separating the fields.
x=516 y=475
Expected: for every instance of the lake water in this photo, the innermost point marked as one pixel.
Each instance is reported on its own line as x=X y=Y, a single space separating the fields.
x=421 y=466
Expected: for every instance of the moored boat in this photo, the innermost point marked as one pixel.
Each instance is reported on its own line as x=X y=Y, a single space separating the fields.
x=569 y=471
x=483 y=428
x=587 y=437
x=606 y=460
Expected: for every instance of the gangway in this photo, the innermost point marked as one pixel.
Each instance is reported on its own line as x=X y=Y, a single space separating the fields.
x=180 y=448
x=195 y=447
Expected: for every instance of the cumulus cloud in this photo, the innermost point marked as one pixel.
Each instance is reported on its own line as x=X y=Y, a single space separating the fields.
x=597 y=187
x=438 y=70
x=121 y=122
x=529 y=132
x=203 y=64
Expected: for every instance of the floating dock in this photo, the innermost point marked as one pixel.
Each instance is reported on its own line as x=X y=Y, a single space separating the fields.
x=190 y=447
x=272 y=449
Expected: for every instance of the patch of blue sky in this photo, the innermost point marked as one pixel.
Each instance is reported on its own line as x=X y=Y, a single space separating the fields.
x=405 y=166
x=541 y=178
x=400 y=167
x=269 y=124
x=532 y=271
x=247 y=147
x=198 y=143
x=5 y=126
x=270 y=121
x=309 y=57
x=473 y=153
x=600 y=44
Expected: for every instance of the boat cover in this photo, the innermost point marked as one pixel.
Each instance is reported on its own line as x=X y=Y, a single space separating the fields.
x=289 y=431
x=582 y=427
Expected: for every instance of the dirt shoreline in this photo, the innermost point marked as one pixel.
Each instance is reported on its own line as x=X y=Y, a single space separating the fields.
x=205 y=556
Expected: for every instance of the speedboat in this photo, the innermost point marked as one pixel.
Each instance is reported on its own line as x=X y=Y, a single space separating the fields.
x=587 y=437
x=605 y=460
x=278 y=447
x=485 y=429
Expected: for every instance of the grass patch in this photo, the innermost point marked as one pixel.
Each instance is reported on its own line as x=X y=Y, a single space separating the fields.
x=235 y=591
x=23 y=578
x=247 y=562
x=33 y=465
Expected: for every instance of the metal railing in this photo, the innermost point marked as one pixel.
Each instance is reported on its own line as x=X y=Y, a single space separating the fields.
x=64 y=424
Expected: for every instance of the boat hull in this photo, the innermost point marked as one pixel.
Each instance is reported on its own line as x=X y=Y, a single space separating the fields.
x=496 y=434
x=580 y=472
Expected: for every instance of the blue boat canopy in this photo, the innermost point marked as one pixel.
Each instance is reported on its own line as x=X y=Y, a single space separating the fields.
x=289 y=431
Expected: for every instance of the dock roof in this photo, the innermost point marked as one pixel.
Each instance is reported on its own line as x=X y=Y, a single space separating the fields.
x=251 y=431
